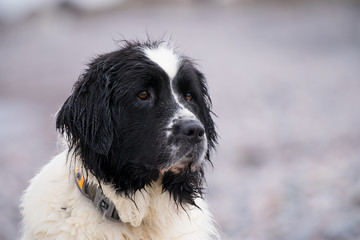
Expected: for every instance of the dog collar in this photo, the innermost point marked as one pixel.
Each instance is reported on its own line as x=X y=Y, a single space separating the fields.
x=97 y=196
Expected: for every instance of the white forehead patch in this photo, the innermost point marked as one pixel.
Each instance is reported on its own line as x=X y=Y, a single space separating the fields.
x=165 y=57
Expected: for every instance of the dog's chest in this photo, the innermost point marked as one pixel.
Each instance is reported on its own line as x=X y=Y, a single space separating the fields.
x=54 y=208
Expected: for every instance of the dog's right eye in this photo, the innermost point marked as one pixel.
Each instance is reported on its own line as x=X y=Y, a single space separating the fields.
x=143 y=95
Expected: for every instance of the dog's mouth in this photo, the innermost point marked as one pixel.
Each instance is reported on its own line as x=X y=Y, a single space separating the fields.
x=184 y=148
x=182 y=165
x=192 y=160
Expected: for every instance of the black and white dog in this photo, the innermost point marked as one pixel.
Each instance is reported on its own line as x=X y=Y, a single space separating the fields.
x=138 y=131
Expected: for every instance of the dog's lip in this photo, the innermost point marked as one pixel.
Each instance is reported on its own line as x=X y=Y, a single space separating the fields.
x=193 y=158
x=183 y=163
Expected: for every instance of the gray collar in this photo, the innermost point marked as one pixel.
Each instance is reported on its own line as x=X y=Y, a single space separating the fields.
x=96 y=195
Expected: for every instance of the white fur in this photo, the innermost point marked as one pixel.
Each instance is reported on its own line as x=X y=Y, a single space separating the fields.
x=54 y=208
x=165 y=57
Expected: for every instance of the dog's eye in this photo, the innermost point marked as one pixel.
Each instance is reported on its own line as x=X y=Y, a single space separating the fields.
x=144 y=95
x=188 y=97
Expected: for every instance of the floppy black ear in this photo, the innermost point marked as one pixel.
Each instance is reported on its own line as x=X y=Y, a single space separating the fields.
x=206 y=113
x=85 y=117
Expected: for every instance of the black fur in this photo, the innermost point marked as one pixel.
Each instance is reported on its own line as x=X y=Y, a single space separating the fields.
x=121 y=139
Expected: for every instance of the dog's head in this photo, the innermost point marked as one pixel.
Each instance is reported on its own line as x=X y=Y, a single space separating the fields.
x=139 y=113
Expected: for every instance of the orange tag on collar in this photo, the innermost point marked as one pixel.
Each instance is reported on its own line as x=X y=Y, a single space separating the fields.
x=79 y=179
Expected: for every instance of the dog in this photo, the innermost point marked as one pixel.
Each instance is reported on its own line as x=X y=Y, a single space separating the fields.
x=138 y=132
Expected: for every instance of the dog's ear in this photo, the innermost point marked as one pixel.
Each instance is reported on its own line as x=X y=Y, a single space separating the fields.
x=85 y=117
x=206 y=112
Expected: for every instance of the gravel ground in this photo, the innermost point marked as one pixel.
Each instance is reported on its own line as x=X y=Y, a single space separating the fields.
x=285 y=84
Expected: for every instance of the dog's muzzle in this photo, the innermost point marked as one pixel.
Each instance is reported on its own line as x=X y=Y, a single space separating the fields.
x=188 y=144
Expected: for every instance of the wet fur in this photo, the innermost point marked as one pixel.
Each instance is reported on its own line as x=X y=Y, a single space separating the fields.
x=122 y=146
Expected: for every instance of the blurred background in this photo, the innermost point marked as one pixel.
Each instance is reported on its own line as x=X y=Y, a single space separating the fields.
x=285 y=82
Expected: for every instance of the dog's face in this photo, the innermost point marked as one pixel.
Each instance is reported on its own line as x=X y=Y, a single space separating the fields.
x=140 y=113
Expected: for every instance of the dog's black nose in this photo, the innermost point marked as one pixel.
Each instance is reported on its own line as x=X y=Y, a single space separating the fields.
x=193 y=130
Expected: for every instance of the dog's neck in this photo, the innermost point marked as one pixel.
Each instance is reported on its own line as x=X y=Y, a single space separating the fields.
x=140 y=207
